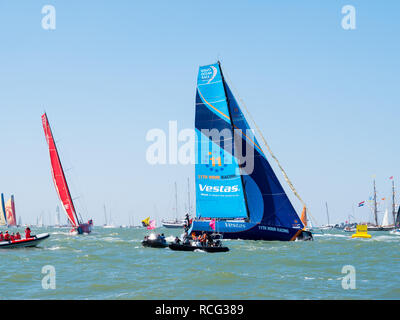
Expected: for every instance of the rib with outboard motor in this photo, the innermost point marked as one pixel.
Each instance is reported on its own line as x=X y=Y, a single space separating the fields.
x=24 y=243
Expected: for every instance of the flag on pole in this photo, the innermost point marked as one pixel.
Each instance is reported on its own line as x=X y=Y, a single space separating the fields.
x=391 y=178
x=212 y=224
x=361 y=204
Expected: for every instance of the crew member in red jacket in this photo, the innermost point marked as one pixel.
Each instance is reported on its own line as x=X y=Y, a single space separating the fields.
x=17 y=236
x=27 y=233
x=1 y=236
x=6 y=236
x=12 y=237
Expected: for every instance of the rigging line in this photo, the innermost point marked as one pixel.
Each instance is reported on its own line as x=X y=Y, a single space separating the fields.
x=269 y=149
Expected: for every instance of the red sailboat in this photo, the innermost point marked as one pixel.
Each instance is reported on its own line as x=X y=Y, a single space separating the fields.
x=10 y=212
x=61 y=183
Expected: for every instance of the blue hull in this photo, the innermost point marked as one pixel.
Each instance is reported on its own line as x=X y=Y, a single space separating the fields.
x=246 y=230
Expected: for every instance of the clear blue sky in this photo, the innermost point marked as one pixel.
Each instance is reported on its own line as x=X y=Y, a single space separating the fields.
x=325 y=98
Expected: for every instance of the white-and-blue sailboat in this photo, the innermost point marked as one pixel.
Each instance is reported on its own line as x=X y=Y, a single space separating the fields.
x=242 y=193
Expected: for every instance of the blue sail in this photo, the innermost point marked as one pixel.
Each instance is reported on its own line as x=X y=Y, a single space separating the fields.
x=261 y=180
x=219 y=190
x=3 y=216
x=247 y=201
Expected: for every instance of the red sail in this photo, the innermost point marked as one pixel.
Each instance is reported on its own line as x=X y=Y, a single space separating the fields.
x=10 y=211
x=58 y=174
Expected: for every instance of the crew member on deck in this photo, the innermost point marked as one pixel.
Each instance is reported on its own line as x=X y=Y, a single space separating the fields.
x=186 y=238
x=12 y=237
x=203 y=239
x=6 y=236
x=27 y=233
x=17 y=236
x=210 y=240
x=1 y=236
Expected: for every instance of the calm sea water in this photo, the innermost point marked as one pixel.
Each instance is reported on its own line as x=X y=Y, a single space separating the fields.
x=112 y=264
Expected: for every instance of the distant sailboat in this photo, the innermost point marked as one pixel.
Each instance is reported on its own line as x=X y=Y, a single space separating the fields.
x=328 y=226
x=10 y=212
x=175 y=223
x=246 y=202
x=57 y=224
x=385 y=221
x=60 y=183
x=3 y=216
x=385 y=226
x=107 y=226
x=39 y=221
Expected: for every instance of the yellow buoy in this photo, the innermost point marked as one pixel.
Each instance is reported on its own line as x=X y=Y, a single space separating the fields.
x=361 y=232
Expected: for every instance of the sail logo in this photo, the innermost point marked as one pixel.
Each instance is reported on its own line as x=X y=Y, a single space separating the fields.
x=220 y=151
x=219 y=189
x=208 y=74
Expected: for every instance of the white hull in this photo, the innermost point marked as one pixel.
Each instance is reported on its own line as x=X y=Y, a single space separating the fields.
x=173 y=225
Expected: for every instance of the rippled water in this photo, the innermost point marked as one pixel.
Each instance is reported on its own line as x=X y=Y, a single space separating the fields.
x=112 y=264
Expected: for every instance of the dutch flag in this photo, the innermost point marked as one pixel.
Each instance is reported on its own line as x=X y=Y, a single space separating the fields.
x=361 y=203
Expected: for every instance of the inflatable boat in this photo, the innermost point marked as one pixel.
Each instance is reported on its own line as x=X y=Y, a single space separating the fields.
x=190 y=247
x=30 y=242
x=155 y=243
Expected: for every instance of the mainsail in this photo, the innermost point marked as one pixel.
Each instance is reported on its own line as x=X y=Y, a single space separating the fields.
x=58 y=175
x=10 y=212
x=219 y=188
x=303 y=216
x=385 y=221
x=226 y=188
x=3 y=218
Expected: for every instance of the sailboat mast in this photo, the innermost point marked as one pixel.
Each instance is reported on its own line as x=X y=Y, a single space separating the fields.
x=327 y=211
x=176 y=201
x=233 y=137
x=393 y=203
x=105 y=214
x=188 y=196
x=375 y=206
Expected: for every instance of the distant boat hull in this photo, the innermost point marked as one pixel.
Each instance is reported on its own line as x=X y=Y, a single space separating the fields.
x=24 y=243
x=173 y=225
x=380 y=228
x=250 y=231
